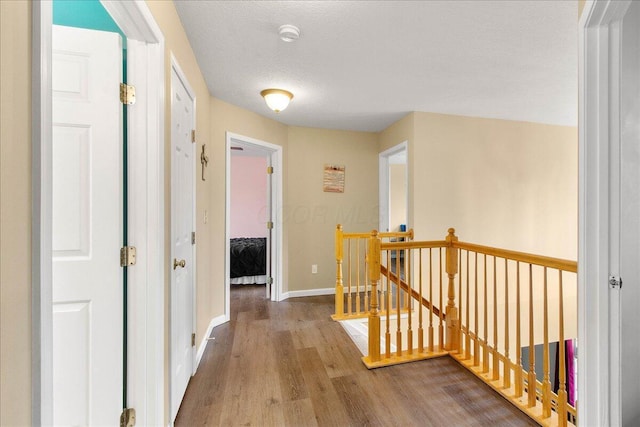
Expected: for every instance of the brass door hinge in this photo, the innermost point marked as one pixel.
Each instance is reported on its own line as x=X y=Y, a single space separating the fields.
x=193 y=340
x=193 y=135
x=128 y=417
x=270 y=225
x=270 y=170
x=127 y=94
x=127 y=256
x=193 y=237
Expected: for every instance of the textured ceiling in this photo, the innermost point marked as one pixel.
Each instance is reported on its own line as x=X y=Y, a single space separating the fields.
x=362 y=65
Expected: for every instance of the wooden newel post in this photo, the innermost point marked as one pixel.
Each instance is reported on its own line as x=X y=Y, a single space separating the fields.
x=339 y=284
x=452 y=342
x=373 y=259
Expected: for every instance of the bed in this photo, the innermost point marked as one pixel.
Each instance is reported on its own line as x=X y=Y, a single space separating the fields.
x=248 y=260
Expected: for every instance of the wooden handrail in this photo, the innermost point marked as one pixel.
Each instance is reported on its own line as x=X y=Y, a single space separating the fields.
x=544 y=261
x=414 y=294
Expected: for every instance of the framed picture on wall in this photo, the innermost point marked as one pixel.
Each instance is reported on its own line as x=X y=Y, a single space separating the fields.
x=333 y=179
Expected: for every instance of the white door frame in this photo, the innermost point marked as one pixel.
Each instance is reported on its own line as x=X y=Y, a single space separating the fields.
x=383 y=187
x=274 y=153
x=598 y=321
x=175 y=68
x=146 y=212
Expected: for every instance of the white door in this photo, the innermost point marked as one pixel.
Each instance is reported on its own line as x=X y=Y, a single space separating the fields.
x=182 y=225
x=87 y=227
x=630 y=216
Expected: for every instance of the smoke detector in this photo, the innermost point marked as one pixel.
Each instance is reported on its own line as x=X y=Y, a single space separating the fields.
x=289 y=33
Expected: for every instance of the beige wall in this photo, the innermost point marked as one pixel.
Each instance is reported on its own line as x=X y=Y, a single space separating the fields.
x=311 y=214
x=15 y=213
x=500 y=183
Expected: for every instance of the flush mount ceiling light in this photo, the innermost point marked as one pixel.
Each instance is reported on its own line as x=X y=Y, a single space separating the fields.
x=277 y=99
x=289 y=33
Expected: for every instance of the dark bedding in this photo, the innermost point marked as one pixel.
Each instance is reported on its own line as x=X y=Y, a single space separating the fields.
x=248 y=256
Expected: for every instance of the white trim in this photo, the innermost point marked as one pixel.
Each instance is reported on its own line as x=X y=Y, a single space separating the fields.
x=175 y=68
x=41 y=222
x=216 y=321
x=308 y=293
x=598 y=377
x=383 y=187
x=146 y=228
x=274 y=152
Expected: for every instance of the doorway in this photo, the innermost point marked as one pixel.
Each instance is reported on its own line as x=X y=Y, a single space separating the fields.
x=249 y=150
x=145 y=363
x=609 y=233
x=394 y=195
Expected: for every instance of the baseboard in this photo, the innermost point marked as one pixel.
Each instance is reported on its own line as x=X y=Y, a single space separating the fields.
x=308 y=293
x=216 y=321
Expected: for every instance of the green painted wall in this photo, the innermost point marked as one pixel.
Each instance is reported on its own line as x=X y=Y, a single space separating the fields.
x=85 y=14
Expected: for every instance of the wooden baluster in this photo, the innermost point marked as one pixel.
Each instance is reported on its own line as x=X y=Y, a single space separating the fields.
x=518 y=331
x=366 y=288
x=407 y=261
x=399 y=266
x=420 y=308
x=476 y=350
x=485 y=349
x=358 y=276
x=546 y=383
x=374 y=278
x=507 y=361
x=430 y=301
x=452 y=342
x=339 y=299
x=440 y=306
x=387 y=335
x=496 y=359
x=562 y=374
x=467 y=347
x=532 y=381
x=349 y=301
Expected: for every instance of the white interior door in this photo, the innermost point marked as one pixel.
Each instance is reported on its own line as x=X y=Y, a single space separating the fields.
x=182 y=225
x=87 y=227
x=630 y=216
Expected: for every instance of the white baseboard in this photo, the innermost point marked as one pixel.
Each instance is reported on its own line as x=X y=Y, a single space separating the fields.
x=308 y=293
x=216 y=321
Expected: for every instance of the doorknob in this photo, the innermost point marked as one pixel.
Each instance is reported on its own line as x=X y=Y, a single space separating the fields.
x=177 y=263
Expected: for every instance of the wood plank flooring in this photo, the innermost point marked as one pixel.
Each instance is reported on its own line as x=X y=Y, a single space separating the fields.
x=289 y=364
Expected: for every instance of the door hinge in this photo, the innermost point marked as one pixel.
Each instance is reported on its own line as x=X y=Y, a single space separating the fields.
x=269 y=225
x=193 y=237
x=127 y=256
x=193 y=135
x=615 y=282
x=127 y=94
x=271 y=280
x=128 y=417
x=269 y=170
x=193 y=340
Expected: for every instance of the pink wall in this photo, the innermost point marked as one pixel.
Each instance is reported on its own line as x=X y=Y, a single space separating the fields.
x=248 y=196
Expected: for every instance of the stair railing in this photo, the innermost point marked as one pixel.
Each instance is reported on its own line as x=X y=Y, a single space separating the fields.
x=504 y=301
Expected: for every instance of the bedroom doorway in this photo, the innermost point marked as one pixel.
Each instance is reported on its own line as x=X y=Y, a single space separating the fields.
x=394 y=201
x=253 y=230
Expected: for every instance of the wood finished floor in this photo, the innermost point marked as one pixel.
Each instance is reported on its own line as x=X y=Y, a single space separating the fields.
x=289 y=364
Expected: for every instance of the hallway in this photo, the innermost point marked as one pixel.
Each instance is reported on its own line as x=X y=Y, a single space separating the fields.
x=289 y=364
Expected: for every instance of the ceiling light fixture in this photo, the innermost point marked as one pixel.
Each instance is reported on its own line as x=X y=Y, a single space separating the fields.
x=277 y=99
x=289 y=33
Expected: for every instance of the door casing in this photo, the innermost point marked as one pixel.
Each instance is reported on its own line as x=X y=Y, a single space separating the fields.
x=599 y=375
x=274 y=154
x=146 y=211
